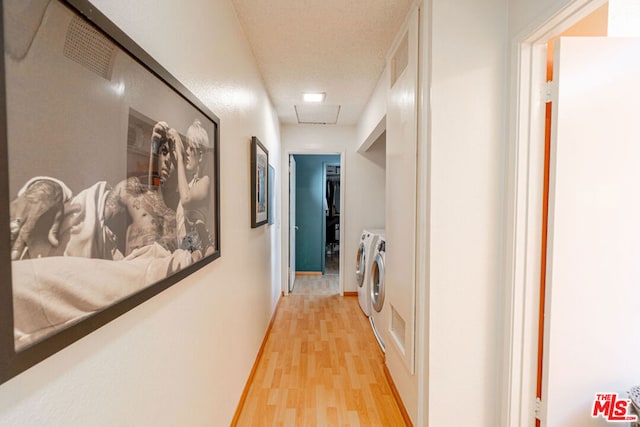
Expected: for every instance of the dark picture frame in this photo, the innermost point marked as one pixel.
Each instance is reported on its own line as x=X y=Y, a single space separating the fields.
x=97 y=144
x=259 y=183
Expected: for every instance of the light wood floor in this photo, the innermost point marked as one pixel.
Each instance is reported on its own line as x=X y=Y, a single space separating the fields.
x=332 y=262
x=321 y=365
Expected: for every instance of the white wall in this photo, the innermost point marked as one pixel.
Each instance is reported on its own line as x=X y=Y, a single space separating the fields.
x=372 y=120
x=465 y=175
x=363 y=187
x=183 y=357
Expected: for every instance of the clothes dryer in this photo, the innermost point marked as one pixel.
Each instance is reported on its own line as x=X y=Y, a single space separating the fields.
x=379 y=310
x=364 y=259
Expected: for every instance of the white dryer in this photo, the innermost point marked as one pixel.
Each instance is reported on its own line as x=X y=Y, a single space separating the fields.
x=364 y=259
x=379 y=310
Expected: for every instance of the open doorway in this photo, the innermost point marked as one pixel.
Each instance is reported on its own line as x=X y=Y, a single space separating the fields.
x=584 y=168
x=593 y=24
x=315 y=201
x=332 y=219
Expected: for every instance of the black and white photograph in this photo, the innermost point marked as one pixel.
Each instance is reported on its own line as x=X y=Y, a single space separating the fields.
x=123 y=203
x=259 y=183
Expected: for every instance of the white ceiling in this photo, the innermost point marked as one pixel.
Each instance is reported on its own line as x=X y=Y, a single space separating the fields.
x=333 y=46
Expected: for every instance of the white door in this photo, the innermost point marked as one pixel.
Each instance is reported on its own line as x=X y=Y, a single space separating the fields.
x=592 y=313
x=292 y=222
x=401 y=202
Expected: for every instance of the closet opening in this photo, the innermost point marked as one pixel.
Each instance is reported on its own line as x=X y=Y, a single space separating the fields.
x=332 y=219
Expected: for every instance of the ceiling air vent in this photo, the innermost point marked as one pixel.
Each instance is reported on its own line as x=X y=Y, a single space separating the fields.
x=88 y=47
x=315 y=114
x=400 y=60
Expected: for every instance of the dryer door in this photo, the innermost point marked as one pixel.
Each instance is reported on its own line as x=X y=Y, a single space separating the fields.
x=377 y=282
x=361 y=262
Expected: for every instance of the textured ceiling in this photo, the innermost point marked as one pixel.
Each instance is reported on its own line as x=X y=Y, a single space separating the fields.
x=333 y=46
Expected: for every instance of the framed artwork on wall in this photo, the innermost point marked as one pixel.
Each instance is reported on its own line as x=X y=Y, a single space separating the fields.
x=272 y=195
x=259 y=183
x=109 y=178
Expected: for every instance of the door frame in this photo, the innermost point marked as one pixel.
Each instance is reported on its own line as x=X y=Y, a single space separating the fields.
x=523 y=201
x=292 y=227
x=285 y=212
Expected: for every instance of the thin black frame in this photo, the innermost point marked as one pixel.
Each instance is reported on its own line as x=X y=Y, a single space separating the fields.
x=13 y=362
x=255 y=146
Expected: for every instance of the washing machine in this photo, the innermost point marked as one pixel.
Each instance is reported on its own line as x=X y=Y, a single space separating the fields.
x=364 y=259
x=379 y=309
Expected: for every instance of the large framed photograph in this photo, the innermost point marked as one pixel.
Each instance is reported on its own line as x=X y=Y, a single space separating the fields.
x=109 y=178
x=259 y=183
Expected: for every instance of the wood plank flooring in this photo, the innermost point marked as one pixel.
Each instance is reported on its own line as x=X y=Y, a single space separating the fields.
x=321 y=365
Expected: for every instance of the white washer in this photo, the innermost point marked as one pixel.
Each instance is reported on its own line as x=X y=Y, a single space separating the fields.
x=364 y=259
x=379 y=309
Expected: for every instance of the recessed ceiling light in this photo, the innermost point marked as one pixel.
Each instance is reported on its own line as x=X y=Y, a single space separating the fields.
x=313 y=97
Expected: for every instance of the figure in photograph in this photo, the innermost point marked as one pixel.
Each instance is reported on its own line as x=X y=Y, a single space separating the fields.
x=69 y=261
x=193 y=186
x=80 y=225
x=152 y=210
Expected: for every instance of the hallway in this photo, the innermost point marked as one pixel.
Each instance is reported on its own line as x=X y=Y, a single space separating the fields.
x=321 y=365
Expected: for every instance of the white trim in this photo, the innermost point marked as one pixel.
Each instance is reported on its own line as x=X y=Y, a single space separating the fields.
x=423 y=216
x=285 y=213
x=523 y=253
x=523 y=215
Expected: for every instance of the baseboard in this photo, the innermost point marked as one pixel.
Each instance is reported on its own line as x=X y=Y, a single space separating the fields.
x=350 y=294
x=396 y=395
x=308 y=273
x=245 y=391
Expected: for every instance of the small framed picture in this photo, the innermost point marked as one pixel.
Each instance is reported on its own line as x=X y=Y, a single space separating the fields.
x=259 y=183
x=272 y=195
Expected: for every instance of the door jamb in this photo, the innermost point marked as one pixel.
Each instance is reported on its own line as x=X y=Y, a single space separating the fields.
x=524 y=214
x=285 y=212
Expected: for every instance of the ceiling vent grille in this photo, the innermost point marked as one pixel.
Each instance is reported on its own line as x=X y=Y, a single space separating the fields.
x=400 y=60
x=314 y=114
x=89 y=48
